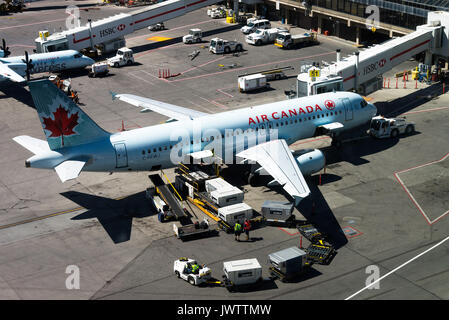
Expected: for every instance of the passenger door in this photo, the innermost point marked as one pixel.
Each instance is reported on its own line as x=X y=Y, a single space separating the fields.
x=349 y=114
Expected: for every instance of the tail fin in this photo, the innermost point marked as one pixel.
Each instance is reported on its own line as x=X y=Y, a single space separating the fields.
x=64 y=123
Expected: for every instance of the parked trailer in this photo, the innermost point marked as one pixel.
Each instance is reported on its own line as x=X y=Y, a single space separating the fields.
x=252 y=82
x=106 y=33
x=271 y=74
x=193 y=231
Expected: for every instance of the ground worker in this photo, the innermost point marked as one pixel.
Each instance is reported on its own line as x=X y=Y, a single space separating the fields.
x=195 y=268
x=237 y=230
x=246 y=228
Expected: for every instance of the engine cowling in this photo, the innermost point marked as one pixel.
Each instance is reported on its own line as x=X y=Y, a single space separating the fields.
x=310 y=161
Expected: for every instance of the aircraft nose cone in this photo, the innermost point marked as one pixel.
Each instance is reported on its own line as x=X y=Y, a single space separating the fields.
x=373 y=109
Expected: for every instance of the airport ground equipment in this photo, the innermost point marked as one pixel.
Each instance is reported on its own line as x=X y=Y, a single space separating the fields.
x=157 y=27
x=253 y=82
x=194 y=230
x=264 y=36
x=363 y=71
x=213 y=9
x=271 y=74
x=218 y=45
x=382 y=127
x=66 y=86
x=170 y=207
x=98 y=69
x=7 y=6
x=310 y=232
x=285 y=40
x=288 y=264
x=194 y=36
x=240 y=273
x=108 y=34
x=182 y=268
x=253 y=25
x=218 y=13
x=236 y=212
x=278 y=212
x=321 y=253
x=123 y=57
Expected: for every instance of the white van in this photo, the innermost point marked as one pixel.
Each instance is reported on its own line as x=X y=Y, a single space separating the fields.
x=253 y=26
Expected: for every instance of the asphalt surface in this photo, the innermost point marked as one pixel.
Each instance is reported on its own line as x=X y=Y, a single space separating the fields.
x=390 y=196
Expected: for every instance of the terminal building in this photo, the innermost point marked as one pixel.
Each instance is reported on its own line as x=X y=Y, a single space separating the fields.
x=347 y=19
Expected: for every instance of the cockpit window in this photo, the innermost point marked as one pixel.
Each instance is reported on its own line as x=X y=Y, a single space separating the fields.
x=78 y=55
x=363 y=103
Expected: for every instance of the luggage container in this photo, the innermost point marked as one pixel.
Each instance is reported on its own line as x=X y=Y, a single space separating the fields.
x=252 y=82
x=217 y=184
x=226 y=197
x=278 y=212
x=241 y=272
x=288 y=263
x=237 y=212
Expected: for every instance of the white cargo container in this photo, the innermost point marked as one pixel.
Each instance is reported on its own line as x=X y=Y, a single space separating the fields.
x=241 y=272
x=252 y=82
x=217 y=184
x=236 y=212
x=226 y=197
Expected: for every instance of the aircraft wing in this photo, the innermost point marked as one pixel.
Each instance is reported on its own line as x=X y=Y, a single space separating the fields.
x=170 y=110
x=276 y=158
x=7 y=73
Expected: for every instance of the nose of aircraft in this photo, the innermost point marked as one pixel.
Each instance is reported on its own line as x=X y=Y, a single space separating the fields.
x=89 y=61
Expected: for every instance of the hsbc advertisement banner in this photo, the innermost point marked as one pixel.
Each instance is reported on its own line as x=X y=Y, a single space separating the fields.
x=112 y=30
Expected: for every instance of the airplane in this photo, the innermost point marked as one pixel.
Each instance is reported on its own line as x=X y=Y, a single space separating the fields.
x=75 y=142
x=15 y=68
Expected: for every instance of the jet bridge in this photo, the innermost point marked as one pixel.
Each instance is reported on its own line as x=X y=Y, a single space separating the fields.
x=362 y=71
x=111 y=30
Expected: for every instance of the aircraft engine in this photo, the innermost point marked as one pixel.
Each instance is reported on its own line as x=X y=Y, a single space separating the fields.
x=310 y=161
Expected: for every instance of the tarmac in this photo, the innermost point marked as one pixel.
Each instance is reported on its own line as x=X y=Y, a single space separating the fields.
x=382 y=202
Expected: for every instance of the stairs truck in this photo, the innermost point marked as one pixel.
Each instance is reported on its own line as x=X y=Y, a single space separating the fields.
x=285 y=40
x=264 y=36
x=107 y=35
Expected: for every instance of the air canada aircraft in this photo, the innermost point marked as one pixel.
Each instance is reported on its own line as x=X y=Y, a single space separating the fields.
x=260 y=134
x=15 y=68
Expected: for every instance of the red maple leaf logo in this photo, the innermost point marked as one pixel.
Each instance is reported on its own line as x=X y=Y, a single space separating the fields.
x=329 y=104
x=62 y=125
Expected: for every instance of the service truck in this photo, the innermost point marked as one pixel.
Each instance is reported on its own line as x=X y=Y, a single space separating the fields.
x=183 y=269
x=123 y=57
x=382 y=127
x=195 y=35
x=285 y=40
x=218 y=45
x=252 y=26
x=264 y=36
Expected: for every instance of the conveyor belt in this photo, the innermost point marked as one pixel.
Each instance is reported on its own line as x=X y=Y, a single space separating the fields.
x=167 y=196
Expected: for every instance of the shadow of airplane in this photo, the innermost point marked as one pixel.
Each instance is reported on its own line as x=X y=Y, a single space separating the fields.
x=18 y=92
x=115 y=215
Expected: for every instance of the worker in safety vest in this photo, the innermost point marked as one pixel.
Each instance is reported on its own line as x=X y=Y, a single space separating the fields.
x=237 y=230
x=195 y=268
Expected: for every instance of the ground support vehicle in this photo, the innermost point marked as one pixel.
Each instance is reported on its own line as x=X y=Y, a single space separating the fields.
x=309 y=232
x=382 y=127
x=98 y=69
x=194 y=230
x=167 y=205
x=218 y=45
x=285 y=40
x=194 y=36
x=123 y=57
x=253 y=25
x=321 y=253
x=65 y=86
x=157 y=27
x=182 y=268
x=264 y=36
x=271 y=74
x=278 y=213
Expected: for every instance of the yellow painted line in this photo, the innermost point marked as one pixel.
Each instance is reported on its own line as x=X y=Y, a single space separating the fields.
x=157 y=38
